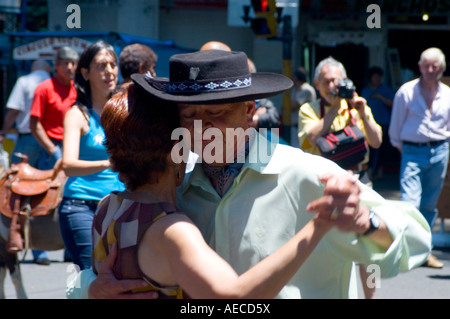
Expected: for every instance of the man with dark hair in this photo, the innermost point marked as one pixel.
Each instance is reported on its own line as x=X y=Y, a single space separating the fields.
x=136 y=58
x=52 y=99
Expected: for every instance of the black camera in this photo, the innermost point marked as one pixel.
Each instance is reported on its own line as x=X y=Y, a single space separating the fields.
x=345 y=90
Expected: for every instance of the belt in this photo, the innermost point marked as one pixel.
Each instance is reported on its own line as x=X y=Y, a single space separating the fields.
x=83 y=201
x=359 y=168
x=429 y=143
x=24 y=134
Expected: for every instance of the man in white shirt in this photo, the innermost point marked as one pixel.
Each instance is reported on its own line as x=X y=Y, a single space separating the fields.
x=19 y=105
x=420 y=129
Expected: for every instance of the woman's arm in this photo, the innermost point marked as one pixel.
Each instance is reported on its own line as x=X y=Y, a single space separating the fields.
x=193 y=265
x=75 y=125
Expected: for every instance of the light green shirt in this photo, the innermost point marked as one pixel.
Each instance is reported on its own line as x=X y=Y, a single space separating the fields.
x=265 y=207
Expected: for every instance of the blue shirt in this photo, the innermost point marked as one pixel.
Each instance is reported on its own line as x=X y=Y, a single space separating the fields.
x=98 y=185
x=380 y=111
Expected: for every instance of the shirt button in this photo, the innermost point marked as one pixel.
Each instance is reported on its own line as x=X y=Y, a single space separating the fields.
x=259 y=232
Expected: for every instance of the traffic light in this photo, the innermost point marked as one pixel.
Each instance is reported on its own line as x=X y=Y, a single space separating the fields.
x=263 y=5
x=265 y=23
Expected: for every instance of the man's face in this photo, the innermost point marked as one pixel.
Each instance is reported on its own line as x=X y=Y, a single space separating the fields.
x=431 y=70
x=65 y=70
x=221 y=117
x=329 y=78
x=376 y=80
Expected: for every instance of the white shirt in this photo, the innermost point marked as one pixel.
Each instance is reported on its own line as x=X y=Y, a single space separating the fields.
x=21 y=98
x=412 y=121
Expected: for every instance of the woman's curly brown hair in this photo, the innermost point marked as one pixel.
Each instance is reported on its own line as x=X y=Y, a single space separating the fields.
x=138 y=128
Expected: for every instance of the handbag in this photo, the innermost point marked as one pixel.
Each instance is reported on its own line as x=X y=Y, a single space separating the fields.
x=346 y=147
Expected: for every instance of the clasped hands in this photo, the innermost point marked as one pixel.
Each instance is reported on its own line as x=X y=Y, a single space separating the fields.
x=340 y=204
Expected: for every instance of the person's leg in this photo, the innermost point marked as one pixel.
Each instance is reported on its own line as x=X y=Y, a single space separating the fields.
x=76 y=229
x=41 y=257
x=433 y=180
x=411 y=175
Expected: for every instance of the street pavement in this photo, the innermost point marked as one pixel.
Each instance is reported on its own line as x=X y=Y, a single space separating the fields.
x=48 y=282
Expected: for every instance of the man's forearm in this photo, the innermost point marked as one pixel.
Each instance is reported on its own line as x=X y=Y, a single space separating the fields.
x=41 y=136
x=322 y=127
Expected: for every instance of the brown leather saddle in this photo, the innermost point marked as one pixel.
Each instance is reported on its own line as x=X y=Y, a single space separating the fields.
x=29 y=192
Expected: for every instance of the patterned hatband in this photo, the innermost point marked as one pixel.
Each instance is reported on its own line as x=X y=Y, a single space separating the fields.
x=200 y=86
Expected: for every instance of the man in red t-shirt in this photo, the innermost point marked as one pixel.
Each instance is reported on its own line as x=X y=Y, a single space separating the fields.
x=52 y=98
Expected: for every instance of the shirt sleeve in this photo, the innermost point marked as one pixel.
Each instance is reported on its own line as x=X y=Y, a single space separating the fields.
x=398 y=115
x=307 y=118
x=39 y=100
x=410 y=232
x=17 y=97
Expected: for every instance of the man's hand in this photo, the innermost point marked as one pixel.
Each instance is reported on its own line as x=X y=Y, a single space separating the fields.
x=107 y=286
x=339 y=204
x=359 y=103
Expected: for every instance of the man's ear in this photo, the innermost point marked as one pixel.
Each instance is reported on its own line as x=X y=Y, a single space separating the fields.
x=250 y=109
x=316 y=83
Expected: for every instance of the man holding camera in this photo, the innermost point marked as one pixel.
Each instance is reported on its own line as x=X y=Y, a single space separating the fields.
x=330 y=113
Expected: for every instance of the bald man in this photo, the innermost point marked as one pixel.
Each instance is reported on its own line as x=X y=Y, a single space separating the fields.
x=215 y=45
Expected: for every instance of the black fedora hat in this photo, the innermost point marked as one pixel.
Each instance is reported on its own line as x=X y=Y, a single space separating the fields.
x=212 y=77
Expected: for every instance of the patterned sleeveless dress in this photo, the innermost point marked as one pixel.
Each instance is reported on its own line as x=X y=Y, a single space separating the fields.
x=125 y=221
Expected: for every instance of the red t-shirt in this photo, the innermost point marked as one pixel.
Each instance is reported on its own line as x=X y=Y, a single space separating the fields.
x=51 y=101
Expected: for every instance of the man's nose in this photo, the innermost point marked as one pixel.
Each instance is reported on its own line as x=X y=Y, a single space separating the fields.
x=332 y=84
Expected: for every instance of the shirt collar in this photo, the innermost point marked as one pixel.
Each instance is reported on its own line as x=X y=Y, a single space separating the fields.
x=259 y=159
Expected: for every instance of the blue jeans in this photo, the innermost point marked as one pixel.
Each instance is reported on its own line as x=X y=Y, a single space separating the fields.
x=422 y=173
x=27 y=144
x=75 y=219
x=47 y=161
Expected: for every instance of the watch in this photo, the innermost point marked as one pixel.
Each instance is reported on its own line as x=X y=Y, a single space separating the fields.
x=374 y=223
